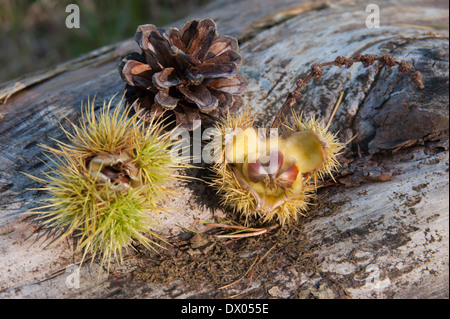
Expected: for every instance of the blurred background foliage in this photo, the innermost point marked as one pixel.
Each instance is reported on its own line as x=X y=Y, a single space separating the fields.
x=33 y=34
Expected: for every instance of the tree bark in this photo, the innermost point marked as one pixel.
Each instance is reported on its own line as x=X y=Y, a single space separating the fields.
x=380 y=231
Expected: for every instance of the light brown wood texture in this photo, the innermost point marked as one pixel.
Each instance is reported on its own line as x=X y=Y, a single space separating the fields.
x=382 y=231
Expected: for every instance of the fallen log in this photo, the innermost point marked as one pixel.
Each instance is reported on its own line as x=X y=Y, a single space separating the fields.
x=379 y=231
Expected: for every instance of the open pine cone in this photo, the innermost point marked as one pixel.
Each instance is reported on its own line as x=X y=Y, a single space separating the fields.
x=185 y=75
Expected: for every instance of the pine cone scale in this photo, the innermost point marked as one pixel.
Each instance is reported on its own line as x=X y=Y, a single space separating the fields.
x=137 y=74
x=165 y=101
x=217 y=71
x=226 y=56
x=166 y=79
x=225 y=99
x=201 y=96
x=141 y=36
x=187 y=117
x=174 y=38
x=222 y=44
x=234 y=85
x=206 y=35
x=188 y=33
x=161 y=49
x=184 y=60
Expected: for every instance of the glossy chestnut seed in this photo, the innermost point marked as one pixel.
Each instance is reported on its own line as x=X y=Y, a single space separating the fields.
x=256 y=172
x=289 y=176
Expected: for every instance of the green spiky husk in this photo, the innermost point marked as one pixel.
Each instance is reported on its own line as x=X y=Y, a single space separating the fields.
x=105 y=221
x=238 y=197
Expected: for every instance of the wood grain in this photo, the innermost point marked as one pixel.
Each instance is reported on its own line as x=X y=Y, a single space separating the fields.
x=381 y=231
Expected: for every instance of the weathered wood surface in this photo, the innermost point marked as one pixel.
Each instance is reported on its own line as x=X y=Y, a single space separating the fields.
x=381 y=232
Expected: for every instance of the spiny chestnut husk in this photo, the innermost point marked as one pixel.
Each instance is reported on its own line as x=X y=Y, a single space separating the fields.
x=106 y=184
x=273 y=177
x=314 y=146
x=191 y=74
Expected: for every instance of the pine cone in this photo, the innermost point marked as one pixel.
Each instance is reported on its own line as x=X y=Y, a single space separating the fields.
x=184 y=75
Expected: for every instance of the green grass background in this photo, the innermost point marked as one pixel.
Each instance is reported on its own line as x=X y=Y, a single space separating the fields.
x=33 y=34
